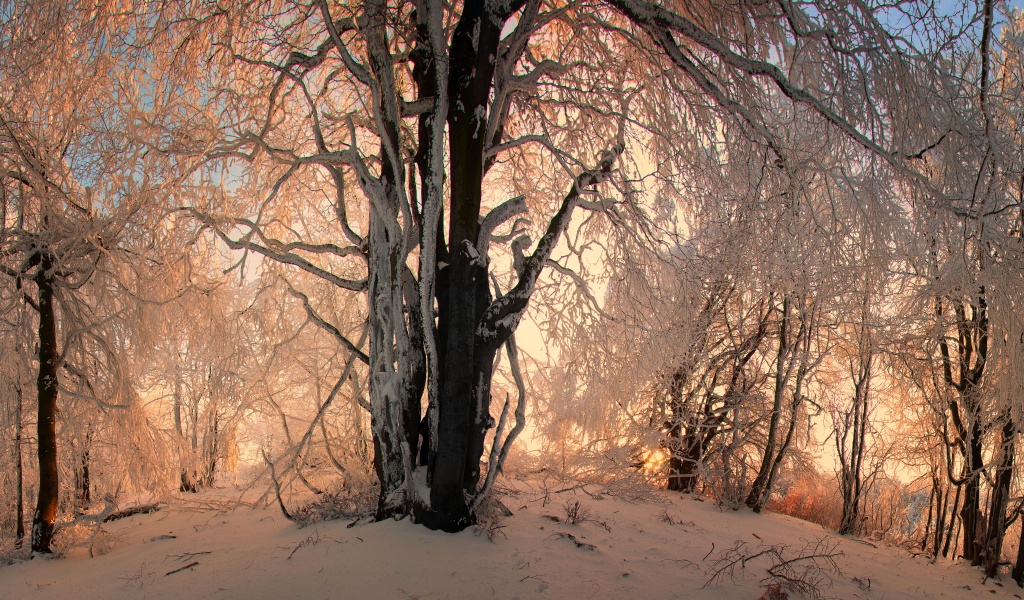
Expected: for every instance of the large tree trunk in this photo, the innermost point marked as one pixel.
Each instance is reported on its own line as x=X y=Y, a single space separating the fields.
x=46 y=385
x=1000 y=494
x=685 y=438
x=463 y=403
x=970 y=515
x=408 y=356
x=683 y=464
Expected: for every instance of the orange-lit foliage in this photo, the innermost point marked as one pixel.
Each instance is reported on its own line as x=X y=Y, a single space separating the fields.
x=811 y=497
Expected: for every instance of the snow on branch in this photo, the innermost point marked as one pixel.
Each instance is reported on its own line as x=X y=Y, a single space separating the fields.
x=500 y=214
x=328 y=327
x=502 y=316
x=288 y=258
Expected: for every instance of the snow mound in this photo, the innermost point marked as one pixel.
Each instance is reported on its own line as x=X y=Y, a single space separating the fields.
x=560 y=541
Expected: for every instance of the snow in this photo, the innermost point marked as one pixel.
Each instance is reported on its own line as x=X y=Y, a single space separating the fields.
x=654 y=548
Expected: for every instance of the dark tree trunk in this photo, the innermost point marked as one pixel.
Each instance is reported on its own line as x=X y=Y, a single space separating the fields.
x=188 y=483
x=465 y=381
x=408 y=355
x=684 y=438
x=1000 y=494
x=761 y=487
x=970 y=515
x=942 y=504
x=964 y=374
x=1018 y=565
x=465 y=384
x=683 y=465
x=19 y=533
x=46 y=506
x=933 y=498
x=852 y=468
x=689 y=444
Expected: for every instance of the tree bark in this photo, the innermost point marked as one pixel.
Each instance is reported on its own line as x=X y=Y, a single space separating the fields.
x=1018 y=565
x=455 y=467
x=1000 y=494
x=684 y=440
x=46 y=385
x=970 y=515
x=19 y=533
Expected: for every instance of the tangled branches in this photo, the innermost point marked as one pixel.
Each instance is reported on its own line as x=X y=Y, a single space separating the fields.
x=808 y=572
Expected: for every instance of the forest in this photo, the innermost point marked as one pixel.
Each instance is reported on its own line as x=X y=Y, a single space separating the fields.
x=382 y=254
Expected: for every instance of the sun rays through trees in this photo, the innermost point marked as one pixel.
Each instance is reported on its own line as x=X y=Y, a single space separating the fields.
x=324 y=246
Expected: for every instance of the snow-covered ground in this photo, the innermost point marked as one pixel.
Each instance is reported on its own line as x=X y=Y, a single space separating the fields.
x=668 y=546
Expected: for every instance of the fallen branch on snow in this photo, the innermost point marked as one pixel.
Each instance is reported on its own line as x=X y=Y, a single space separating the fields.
x=141 y=509
x=194 y=563
x=572 y=538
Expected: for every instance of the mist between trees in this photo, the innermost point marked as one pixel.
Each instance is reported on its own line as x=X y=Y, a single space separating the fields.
x=291 y=243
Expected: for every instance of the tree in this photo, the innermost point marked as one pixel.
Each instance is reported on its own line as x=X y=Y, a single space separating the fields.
x=76 y=197
x=357 y=93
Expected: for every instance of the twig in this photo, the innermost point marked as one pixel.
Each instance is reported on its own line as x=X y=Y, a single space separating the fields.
x=179 y=569
x=188 y=555
x=709 y=551
x=572 y=538
x=685 y=562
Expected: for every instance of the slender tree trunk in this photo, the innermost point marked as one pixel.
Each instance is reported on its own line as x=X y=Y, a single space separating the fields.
x=19 y=533
x=970 y=362
x=210 y=464
x=933 y=498
x=952 y=523
x=759 y=489
x=188 y=483
x=942 y=497
x=793 y=356
x=46 y=385
x=853 y=470
x=83 y=484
